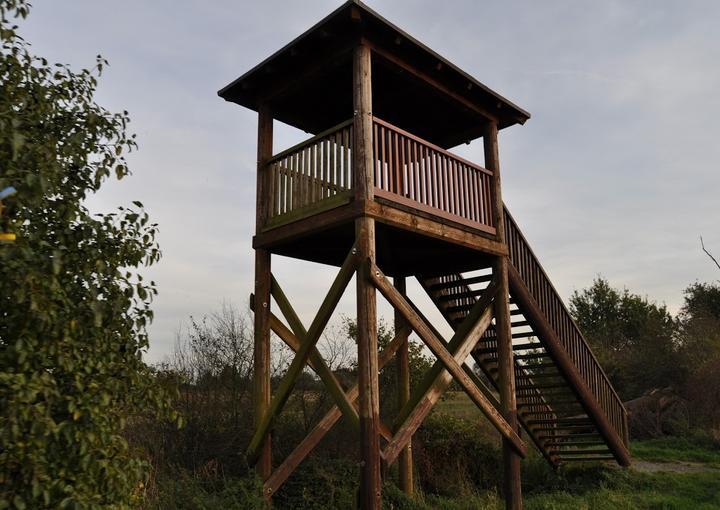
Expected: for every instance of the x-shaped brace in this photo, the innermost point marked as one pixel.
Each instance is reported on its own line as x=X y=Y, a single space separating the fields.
x=447 y=367
x=308 y=339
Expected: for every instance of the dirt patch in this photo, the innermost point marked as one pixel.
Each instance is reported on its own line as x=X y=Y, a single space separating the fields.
x=645 y=466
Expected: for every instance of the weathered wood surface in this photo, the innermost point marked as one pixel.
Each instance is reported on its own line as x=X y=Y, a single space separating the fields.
x=437 y=380
x=314 y=357
x=506 y=366
x=416 y=173
x=261 y=346
x=405 y=462
x=323 y=426
x=612 y=436
x=288 y=382
x=370 y=482
x=439 y=350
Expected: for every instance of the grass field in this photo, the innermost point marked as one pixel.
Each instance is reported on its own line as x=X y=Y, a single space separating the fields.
x=686 y=476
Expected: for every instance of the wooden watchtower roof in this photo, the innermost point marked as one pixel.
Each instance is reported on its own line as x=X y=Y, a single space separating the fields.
x=308 y=83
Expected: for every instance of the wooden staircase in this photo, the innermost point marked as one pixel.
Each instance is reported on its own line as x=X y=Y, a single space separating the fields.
x=565 y=401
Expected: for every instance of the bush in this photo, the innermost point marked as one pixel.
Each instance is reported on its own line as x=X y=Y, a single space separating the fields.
x=181 y=490
x=73 y=310
x=454 y=456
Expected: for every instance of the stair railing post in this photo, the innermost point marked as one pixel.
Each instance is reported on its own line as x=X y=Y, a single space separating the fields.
x=402 y=329
x=506 y=365
x=362 y=166
x=261 y=363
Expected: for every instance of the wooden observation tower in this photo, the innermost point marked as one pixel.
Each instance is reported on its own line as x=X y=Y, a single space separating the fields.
x=376 y=193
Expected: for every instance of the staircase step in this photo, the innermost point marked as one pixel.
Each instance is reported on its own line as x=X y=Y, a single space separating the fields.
x=581 y=452
x=523 y=334
x=461 y=295
x=527 y=346
x=543 y=387
x=549 y=364
x=538 y=376
x=464 y=281
x=535 y=355
x=561 y=421
x=565 y=428
x=572 y=443
x=573 y=435
x=516 y=347
x=591 y=459
x=519 y=324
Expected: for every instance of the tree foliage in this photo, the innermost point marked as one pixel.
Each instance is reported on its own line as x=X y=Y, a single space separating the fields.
x=634 y=339
x=700 y=340
x=73 y=309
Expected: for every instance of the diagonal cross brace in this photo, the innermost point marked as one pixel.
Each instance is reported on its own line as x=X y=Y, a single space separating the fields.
x=315 y=359
x=399 y=302
x=328 y=378
x=313 y=334
x=437 y=379
x=468 y=370
x=301 y=451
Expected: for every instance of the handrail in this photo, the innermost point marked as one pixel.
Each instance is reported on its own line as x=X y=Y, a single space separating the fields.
x=419 y=174
x=310 y=172
x=407 y=171
x=548 y=300
x=309 y=141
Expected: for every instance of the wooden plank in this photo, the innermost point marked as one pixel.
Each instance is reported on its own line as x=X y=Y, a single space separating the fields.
x=405 y=463
x=566 y=366
x=437 y=379
x=261 y=342
x=370 y=482
x=288 y=382
x=323 y=371
x=436 y=228
x=413 y=204
x=439 y=350
x=323 y=426
x=506 y=365
x=309 y=210
x=310 y=225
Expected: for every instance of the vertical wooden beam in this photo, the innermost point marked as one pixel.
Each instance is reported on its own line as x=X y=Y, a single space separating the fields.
x=403 y=383
x=511 y=460
x=261 y=366
x=362 y=164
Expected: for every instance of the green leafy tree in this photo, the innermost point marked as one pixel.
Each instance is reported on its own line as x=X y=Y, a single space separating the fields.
x=73 y=310
x=700 y=346
x=418 y=361
x=635 y=339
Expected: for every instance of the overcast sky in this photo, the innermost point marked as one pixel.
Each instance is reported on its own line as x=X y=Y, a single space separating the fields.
x=616 y=173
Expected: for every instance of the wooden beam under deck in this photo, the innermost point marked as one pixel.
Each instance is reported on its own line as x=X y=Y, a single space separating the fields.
x=383 y=212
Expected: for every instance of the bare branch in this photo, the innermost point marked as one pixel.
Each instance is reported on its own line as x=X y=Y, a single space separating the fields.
x=708 y=253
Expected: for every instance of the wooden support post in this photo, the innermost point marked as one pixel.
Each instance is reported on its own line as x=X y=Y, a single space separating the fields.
x=370 y=482
x=315 y=359
x=261 y=366
x=323 y=371
x=403 y=384
x=435 y=384
x=322 y=427
x=506 y=365
x=439 y=350
x=298 y=363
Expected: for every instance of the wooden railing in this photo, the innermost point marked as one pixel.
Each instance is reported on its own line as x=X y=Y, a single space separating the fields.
x=317 y=174
x=559 y=318
x=311 y=176
x=411 y=171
